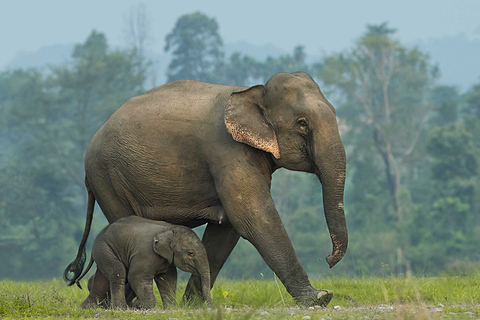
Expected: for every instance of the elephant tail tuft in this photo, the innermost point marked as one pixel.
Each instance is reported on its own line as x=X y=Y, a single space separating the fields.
x=73 y=271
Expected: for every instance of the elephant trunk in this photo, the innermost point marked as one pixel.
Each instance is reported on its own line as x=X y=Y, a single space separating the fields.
x=330 y=164
x=204 y=271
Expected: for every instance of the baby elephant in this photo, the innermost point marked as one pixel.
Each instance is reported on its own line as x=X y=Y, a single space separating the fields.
x=139 y=251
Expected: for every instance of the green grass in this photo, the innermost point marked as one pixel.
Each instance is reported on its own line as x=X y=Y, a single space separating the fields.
x=448 y=297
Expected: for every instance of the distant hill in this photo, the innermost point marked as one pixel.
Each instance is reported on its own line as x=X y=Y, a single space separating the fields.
x=457 y=57
x=259 y=52
x=47 y=55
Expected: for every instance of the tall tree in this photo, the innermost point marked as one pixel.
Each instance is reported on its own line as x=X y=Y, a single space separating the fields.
x=285 y=63
x=239 y=70
x=196 y=46
x=137 y=36
x=472 y=101
x=385 y=88
x=137 y=29
x=445 y=105
x=49 y=120
x=93 y=86
x=452 y=217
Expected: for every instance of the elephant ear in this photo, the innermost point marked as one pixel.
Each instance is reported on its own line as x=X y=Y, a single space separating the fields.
x=162 y=244
x=246 y=121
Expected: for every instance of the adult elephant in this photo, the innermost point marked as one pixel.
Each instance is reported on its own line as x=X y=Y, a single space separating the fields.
x=181 y=151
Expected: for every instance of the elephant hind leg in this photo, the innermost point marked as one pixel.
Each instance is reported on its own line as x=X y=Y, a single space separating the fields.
x=99 y=292
x=142 y=285
x=141 y=280
x=113 y=205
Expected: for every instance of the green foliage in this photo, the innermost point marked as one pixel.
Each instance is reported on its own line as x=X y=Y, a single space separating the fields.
x=48 y=122
x=452 y=149
x=454 y=168
x=446 y=109
x=412 y=197
x=411 y=167
x=284 y=63
x=472 y=98
x=196 y=47
x=239 y=70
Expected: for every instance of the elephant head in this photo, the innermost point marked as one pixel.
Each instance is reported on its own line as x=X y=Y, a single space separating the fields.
x=290 y=118
x=184 y=249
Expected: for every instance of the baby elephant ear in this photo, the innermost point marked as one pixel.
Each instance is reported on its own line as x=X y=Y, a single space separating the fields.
x=162 y=244
x=246 y=122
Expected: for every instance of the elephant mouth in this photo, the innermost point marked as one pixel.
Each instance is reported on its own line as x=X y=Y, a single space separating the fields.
x=192 y=270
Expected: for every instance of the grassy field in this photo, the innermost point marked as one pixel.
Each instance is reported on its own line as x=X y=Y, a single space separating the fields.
x=448 y=297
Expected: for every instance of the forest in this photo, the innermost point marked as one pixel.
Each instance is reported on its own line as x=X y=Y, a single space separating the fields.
x=412 y=198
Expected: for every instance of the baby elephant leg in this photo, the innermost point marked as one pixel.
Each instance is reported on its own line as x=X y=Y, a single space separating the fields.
x=130 y=295
x=117 y=277
x=167 y=286
x=142 y=284
x=99 y=288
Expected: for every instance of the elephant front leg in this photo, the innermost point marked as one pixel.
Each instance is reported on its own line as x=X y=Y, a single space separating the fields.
x=219 y=241
x=249 y=206
x=142 y=284
x=167 y=286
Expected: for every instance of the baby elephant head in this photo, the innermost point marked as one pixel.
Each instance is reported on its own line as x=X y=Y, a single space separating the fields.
x=182 y=247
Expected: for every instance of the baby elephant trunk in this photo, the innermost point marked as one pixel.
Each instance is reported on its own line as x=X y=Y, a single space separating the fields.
x=204 y=271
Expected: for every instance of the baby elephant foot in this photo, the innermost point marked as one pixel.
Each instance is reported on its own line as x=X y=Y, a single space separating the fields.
x=143 y=305
x=315 y=298
x=91 y=303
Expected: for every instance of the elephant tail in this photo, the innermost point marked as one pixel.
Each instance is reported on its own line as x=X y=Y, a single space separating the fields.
x=74 y=269
x=77 y=281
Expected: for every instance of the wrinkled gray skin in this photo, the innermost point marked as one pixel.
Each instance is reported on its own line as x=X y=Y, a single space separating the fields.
x=141 y=250
x=183 y=150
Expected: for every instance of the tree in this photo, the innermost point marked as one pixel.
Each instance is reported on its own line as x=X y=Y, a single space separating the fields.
x=385 y=88
x=471 y=113
x=238 y=71
x=137 y=35
x=284 y=63
x=137 y=29
x=196 y=47
x=445 y=105
x=49 y=120
x=92 y=87
x=472 y=99
x=452 y=218
x=32 y=197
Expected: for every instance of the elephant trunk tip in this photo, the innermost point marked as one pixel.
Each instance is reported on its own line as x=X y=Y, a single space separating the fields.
x=332 y=260
x=338 y=252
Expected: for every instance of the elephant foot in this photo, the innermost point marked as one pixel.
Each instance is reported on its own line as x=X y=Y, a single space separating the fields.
x=192 y=298
x=95 y=303
x=142 y=305
x=87 y=305
x=315 y=297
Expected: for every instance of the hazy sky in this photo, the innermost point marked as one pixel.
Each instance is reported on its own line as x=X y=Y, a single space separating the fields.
x=320 y=26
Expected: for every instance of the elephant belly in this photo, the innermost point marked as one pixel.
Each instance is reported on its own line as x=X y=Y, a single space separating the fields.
x=153 y=166
x=175 y=190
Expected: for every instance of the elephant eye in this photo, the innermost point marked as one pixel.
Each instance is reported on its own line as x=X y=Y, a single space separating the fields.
x=191 y=253
x=302 y=122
